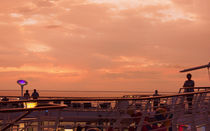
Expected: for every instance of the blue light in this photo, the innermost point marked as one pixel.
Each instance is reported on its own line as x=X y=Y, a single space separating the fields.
x=22 y=82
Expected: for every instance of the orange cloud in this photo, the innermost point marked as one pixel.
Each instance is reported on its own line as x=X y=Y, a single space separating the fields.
x=103 y=45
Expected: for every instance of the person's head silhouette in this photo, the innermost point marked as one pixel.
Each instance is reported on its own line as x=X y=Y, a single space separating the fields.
x=26 y=91
x=189 y=76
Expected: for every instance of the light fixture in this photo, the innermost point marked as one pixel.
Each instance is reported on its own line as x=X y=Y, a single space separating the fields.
x=22 y=83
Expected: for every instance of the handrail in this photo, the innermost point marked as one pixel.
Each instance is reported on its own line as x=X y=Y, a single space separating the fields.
x=198 y=88
x=176 y=111
x=32 y=109
x=103 y=98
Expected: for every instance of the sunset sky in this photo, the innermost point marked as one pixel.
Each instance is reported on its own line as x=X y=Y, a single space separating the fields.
x=135 y=45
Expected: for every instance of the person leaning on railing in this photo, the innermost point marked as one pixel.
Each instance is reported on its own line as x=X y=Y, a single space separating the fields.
x=189 y=87
x=35 y=94
x=26 y=95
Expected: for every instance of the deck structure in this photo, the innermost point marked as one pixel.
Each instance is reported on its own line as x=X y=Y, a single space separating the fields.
x=108 y=113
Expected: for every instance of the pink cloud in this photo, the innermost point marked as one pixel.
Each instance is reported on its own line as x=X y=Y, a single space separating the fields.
x=109 y=45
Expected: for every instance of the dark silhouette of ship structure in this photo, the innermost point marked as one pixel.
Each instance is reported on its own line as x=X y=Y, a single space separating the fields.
x=171 y=113
x=196 y=68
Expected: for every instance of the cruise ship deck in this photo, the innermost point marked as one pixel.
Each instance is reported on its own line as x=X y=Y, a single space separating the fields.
x=108 y=113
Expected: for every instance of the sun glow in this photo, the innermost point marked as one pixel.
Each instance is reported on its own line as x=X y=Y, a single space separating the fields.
x=51 y=70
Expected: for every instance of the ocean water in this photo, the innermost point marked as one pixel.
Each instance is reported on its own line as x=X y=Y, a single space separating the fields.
x=59 y=93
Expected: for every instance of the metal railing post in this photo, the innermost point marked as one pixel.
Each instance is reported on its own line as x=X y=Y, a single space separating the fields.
x=140 y=124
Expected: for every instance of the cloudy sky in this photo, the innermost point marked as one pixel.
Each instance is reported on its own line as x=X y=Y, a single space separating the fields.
x=103 y=44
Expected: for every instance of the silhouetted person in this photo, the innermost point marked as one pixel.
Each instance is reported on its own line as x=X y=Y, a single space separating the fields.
x=35 y=94
x=189 y=85
x=26 y=95
x=79 y=128
x=156 y=101
x=4 y=99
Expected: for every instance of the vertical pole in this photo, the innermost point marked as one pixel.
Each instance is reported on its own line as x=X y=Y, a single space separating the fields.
x=22 y=90
x=118 y=115
x=57 y=119
x=174 y=110
x=207 y=107
x=194 y=109
x=141 y=122
x=39 y=121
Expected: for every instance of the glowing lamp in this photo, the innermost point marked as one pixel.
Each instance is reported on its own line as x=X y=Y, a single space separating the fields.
x=22 y=83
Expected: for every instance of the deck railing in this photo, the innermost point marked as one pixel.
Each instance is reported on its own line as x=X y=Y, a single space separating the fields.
x=170 y=112
x=181 y=90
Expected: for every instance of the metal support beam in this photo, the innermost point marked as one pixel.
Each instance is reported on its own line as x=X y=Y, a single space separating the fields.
x=15 y=120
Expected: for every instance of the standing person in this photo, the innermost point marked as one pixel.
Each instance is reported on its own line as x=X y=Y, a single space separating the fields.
x=79 y=128
x=35 y=94
x=26 y=95
x=156 y=101
x=189 y=85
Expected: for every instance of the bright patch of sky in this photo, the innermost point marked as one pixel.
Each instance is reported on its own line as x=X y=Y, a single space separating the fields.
x=16 y=15
x=130 y=59
x=138 y=62
x=52 y=70
x=29 y=21
x=37 y=48
x=170 y=13
x=175 y=14
x=126 y=4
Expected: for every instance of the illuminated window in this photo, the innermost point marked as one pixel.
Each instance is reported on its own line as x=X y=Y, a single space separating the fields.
x=30 y=104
